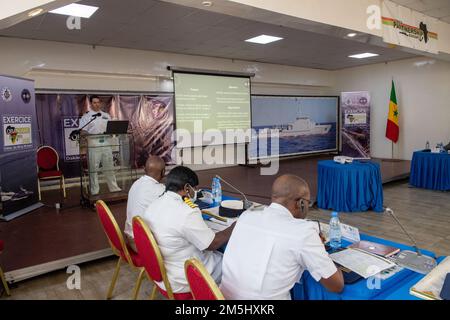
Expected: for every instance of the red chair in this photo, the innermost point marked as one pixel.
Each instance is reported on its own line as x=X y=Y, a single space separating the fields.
x=2 y=276
x=122 y=250
x=153 y=261
x=48 y=167
x=203 y=286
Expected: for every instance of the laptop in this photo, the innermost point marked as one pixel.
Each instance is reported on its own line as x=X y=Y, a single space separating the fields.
x=117 y=127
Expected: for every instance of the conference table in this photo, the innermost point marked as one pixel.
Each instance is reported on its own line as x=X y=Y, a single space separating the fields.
x=395 y=287
x=430 y=171
x=350 y=187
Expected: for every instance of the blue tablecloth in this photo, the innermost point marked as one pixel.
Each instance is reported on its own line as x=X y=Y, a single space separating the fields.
x=310 y=289
x=401 y=291
x=430 y=170
x=351 y=187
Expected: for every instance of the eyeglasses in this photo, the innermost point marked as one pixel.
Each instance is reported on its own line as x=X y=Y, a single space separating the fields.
x=318 y=223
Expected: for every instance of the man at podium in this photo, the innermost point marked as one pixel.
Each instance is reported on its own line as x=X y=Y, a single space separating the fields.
x=101 y=151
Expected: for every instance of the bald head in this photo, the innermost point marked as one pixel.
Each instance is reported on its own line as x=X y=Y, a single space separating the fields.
x=287 y=190
x=155 y=167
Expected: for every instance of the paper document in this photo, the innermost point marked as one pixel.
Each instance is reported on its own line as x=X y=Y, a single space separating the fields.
x=348 y=232
x=361 y=262
x=430 y=286
x=217 y=225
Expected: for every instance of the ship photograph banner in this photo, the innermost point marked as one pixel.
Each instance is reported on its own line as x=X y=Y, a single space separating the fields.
x=408 y=28
x=18 y=145
x=151 y=119
x=304 y=124
x=355 y=124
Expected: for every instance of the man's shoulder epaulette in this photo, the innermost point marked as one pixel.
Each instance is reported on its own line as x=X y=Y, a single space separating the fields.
x=189 y=202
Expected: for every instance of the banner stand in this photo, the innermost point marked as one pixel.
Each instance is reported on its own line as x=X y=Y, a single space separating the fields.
x=355 y=124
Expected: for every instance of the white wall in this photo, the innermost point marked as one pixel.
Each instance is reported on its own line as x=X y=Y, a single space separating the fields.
x=423 y=95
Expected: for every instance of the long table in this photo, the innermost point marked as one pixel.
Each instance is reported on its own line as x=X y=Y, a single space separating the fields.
x=430 y=171
x=350 y=187
x=309 y=289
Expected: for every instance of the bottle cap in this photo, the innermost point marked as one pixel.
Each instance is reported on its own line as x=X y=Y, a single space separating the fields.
x=334 y=214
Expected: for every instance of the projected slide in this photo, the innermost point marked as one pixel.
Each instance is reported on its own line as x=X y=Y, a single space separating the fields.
x=304 y=125
x=211 y=102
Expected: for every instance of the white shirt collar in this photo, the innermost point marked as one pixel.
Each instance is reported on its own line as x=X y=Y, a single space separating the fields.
x=149 y=178
x=282 y=209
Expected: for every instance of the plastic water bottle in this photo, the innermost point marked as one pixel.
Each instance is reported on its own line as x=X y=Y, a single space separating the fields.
x=427 y=146
x=216 y=190
x=335 y=231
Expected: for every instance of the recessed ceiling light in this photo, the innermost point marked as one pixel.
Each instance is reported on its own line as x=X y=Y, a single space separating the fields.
x=35 y=12
x=351 y=35
x=263 y=39
x=207 y=3
x=364 y=55
x=76 y=10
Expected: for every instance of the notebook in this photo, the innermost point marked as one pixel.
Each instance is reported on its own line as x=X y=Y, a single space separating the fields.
x=432 y=285
x=375 y=248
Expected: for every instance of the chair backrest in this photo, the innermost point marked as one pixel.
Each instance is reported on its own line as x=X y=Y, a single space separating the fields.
x=203 y=286
x=150 y=254
x=112 y=230
x=47 y=158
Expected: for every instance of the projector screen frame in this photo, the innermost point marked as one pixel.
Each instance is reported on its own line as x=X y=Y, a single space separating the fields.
x=307 y=153
x=207 y=72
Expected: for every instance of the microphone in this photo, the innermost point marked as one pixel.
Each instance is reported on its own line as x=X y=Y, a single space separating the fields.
x=97 y=115
x=414 y=261
x=247 y=204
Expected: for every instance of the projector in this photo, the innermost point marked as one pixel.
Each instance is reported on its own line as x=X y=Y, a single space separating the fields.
x=343 y=159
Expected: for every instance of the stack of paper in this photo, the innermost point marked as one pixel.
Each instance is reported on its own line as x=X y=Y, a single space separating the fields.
x=361 y=262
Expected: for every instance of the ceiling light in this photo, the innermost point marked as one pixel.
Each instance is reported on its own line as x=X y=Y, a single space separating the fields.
x=35 y=12
x=364 y=55
x=76 y=10
x=263 y=39
x=207 y=3
x=351 y=35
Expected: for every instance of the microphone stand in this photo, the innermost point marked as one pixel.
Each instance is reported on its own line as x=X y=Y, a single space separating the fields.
x=78 y=131
x=247 y=204
x=414 y=261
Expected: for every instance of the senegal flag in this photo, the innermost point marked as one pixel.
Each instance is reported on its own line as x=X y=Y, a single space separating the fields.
x=392 y=128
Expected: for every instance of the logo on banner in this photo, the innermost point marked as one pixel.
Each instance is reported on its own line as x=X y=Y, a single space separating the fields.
x=26 y=96
x=12 y=133
x=71 y=138
x=6 y=94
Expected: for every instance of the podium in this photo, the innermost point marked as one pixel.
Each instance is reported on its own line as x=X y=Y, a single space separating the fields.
x=106 y=167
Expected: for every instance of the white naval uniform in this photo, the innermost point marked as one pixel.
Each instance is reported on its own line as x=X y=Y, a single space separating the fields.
x=268 y=252
x=144 y=191
x=101 y=151
x=181 y=234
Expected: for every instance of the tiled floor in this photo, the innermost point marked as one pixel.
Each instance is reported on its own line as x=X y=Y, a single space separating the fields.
x=424 y=213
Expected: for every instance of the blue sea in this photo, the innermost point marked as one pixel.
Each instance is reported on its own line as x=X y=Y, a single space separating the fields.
x=299 y=144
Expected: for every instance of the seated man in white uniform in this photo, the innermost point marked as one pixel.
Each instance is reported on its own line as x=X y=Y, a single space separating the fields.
x=144 y=190
x=269 y=249
x=100 y=151
x=181 y=232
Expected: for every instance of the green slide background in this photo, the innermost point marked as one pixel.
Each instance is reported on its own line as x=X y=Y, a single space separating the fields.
x=220 y=102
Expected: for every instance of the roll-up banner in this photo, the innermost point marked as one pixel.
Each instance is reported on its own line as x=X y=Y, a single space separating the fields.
x=18 y=144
